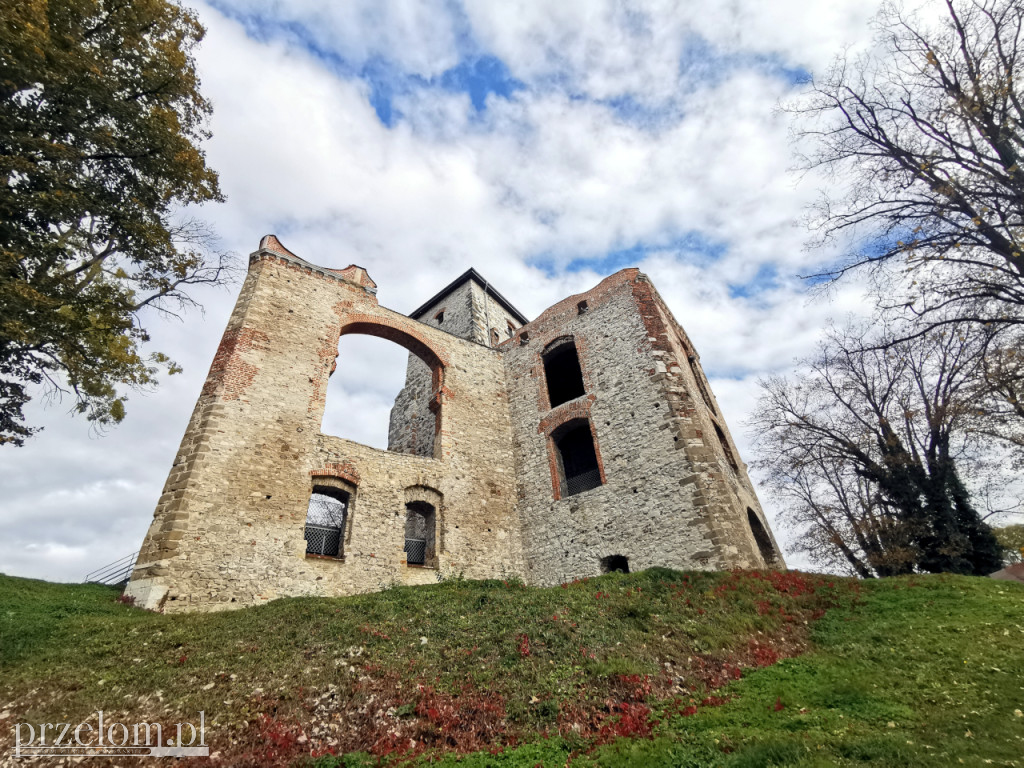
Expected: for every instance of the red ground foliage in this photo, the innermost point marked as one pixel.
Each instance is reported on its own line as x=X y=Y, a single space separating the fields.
x=400 y=712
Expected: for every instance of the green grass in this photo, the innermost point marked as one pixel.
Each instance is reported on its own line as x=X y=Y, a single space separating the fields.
x=610 y=671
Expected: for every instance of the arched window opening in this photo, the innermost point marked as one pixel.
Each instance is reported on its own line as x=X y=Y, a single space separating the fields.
x=562 y=372
x=325 y=522
x=725 y=447
x=615 y=563
x=382 y=387
x=761 y=537
x=578 y=468
x=420 y=538
x=361 y=391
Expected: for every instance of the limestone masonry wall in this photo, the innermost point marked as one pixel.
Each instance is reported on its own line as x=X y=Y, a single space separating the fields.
x=474 y=446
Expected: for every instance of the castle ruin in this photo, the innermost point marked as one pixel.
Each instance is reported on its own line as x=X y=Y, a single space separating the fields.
x=585 y=441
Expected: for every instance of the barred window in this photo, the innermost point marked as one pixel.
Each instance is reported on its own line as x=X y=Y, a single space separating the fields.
x=577 y=458
x=420 y=547
x=325 y=522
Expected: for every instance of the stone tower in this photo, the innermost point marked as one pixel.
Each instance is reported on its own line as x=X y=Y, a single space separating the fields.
x=586 y=440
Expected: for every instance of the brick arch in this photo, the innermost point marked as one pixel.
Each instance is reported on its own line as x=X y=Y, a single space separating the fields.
x=404 y=335
x=557 y=342
x=574 y=410
x=345 y=471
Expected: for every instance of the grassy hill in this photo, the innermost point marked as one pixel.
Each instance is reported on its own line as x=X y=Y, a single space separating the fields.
x=655 y=668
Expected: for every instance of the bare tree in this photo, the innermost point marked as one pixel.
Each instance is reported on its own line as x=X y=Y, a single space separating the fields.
x=924 y=139
x=865 y=448
x=999 y=395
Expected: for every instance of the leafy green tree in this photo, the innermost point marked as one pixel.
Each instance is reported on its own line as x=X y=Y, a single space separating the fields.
x=100 y=123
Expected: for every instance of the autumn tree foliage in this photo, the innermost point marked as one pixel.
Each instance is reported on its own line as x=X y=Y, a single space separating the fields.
x=100 y=124
x=865 y=449
x=1011 y=538
x=999 y=396
x=923 y=139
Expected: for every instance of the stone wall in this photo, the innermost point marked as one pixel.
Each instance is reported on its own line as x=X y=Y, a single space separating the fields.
x=412 y=423
x=723 y=493
x=491 y=320
x=468 y=312
x=666 y=498
x=473 y=435
x=459 y=314
x=228 y=530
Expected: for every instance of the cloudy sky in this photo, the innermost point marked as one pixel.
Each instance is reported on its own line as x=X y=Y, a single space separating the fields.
x=545 y=144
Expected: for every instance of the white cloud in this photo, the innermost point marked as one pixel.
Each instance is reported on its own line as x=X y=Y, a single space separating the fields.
x=417 y=35
x=608 y=49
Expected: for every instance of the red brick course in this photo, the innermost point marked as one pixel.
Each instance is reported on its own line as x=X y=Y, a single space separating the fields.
x=228 y=369
x=345 y=470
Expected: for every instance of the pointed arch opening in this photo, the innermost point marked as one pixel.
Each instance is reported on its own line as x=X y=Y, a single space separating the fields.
x=726 y=449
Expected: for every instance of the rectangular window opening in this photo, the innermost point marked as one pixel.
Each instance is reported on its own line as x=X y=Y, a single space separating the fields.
x=578 y=459
x=563 y=374
x=420 y=537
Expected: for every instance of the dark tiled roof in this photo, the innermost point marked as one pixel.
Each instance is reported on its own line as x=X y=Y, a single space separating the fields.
x=470 y=274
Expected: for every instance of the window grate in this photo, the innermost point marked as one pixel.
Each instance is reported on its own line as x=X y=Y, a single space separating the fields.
x=323 y=540
x=415 y=551
x=584 y=481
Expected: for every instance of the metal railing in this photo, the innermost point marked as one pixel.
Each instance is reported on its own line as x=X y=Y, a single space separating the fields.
x=582 y=482
x=323 y=540
x=415 y=551
x=116 y=573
